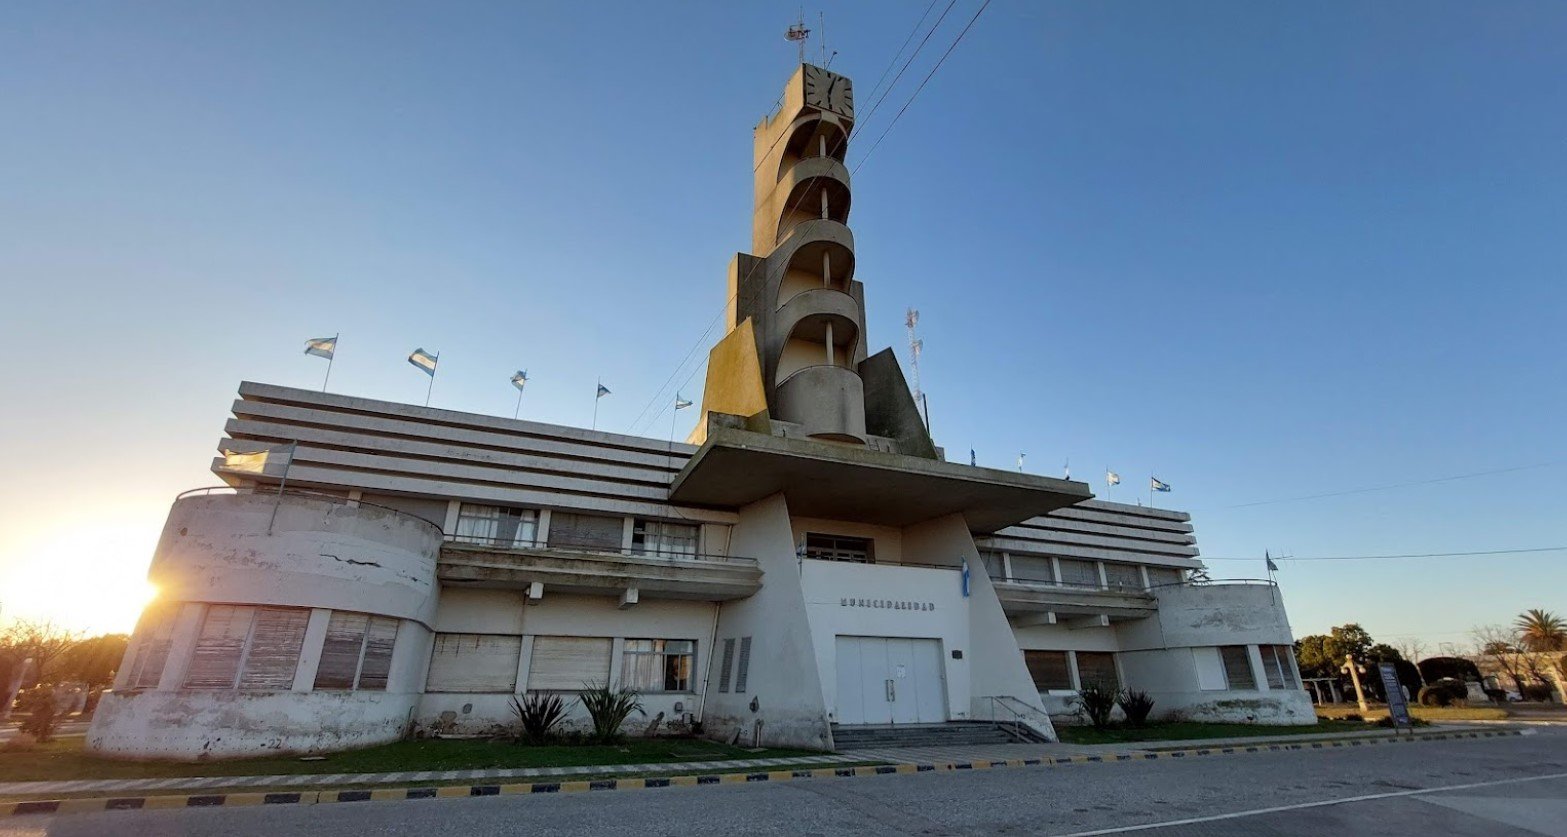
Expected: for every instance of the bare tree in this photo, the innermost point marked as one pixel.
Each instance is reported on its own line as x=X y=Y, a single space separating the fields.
x=27 y=648
x=1412 y=650
x=1499 y=644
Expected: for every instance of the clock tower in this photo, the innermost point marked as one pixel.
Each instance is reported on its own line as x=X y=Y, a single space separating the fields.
x=794 y=362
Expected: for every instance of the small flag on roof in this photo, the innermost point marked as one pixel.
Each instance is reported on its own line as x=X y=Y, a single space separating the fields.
x=424 y=361
x=681 y=403
x=1156 y=485
x=520 y=379
x=321 y=347
x=1272 y=567
x=603 y=391
x=1112 y=478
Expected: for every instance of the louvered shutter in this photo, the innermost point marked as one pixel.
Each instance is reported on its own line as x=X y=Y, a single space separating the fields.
x=155 y=634
x=1049 y=670
x=743 y=674
x=345 y=636
x=380 y=639
x=1032 y=568
x=729 y=661
x=474 y=663
x=275 y=640
x=215 y=662
x=1097 y=668
x=1237 y=667
x=1079 y=573
x=1163 y=575
x=1123 y=576
x=586 y=531
x=567 y=663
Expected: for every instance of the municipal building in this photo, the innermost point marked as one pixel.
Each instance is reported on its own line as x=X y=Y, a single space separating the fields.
x=808 y=570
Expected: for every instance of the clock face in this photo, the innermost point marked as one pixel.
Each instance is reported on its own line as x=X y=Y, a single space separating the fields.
x=829 y=91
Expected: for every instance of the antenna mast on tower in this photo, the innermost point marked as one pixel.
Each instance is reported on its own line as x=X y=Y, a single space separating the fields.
x=916 y=346
x=798 y=33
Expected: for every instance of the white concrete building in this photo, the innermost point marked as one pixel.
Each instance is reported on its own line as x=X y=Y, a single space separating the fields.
x=806 y=569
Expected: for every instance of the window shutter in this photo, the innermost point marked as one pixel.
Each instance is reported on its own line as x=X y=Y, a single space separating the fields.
x=744 y=672
x=1097 y=667
x=1237 y=667
x=566 y=663
x=215 y=662
x=1079 y=573
x=1163 y=575
x=275 y=640
x=729 y=661
x=380 y=639
x=345 y=636
x=1049 y=669
x=1032 y=568
x=152 y=649
x=474 y=663
x=586 y=531
x=1123 y=576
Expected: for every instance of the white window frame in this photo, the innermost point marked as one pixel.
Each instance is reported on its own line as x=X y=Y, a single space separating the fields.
x=657 y=649
x=665 y=538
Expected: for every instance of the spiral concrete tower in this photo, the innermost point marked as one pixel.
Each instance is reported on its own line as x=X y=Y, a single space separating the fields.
x=795 y=354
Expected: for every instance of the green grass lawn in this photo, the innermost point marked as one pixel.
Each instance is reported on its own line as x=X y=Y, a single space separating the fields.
x=1184 y=730
x=64 y=759
x=1424 y=713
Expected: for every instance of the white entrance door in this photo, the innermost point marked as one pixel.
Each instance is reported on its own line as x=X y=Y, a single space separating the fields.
x=890 y=680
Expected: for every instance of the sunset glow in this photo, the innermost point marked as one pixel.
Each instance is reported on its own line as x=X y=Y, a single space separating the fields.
x=90 y=578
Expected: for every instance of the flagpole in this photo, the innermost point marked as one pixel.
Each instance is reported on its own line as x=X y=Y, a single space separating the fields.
x=596 y=388
x=329 y=360
x=431 y=388
x=518 y=412
x=1150 y=491
x=282 y=483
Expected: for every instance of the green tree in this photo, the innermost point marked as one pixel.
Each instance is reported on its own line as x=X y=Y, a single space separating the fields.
x=1540 y=630
x=1351 y=641
x=1312 y=656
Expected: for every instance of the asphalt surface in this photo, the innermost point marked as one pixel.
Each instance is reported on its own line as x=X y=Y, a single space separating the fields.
x=1493 y=787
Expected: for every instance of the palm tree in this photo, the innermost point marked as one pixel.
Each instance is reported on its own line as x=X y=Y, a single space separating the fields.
x=1541 y=630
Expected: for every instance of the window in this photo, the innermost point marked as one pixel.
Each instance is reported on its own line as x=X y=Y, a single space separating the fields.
x=1076 y=573
x=595 y=532
x=1097 y=668
x=1278 y=661
x=496 y=526
x=1050 y=670
x=1123 y=576
x=743 y=673
x=839 y=548
x=357 y=653
x=728 y=663
x=567 y=663
x=474 y=663
x=1237 y=667
x=663 y=539
x=658 y=665
x=247 y=648
x=1033 y=568
x=153 y=637
x=1159 y=576
x=995 y=564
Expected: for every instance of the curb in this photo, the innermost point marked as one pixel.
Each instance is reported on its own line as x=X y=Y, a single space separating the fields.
x=232 y=800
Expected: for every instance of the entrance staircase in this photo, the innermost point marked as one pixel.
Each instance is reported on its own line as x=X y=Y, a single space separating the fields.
x=949 y=734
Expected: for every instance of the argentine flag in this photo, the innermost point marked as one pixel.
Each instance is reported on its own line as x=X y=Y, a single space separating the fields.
x=681 y=403
x=520 y=379
x=321 y=347
x=1156 y=485
x=424 y=361
x=1112 y=478
x=603 y=391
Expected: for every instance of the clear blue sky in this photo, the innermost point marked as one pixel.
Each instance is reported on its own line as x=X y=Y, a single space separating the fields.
x=1259 y=250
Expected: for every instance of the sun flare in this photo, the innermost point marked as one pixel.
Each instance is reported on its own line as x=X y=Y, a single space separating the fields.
x=90 y=578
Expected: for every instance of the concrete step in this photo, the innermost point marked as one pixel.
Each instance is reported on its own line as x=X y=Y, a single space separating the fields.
x=951 y=734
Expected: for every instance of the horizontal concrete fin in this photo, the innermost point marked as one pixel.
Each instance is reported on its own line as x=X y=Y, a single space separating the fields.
x=1030 y=532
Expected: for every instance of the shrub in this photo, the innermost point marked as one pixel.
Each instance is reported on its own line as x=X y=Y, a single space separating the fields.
x=1136 y=704
x=609 y=709
x=1445 y=692
x=1536 y=691
x=538 y=713
x=1096 y=702
x=43 y=717
x=1353 y=716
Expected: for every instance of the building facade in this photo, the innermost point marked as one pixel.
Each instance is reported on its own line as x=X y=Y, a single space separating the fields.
x=806 y=563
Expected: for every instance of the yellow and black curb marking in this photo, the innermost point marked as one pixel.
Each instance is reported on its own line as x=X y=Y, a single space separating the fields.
x=230 y=800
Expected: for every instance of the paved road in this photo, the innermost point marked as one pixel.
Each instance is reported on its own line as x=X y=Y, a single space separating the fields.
x=1491 y=787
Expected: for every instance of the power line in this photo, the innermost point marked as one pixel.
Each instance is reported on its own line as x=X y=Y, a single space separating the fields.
x=899 y=53
x=926 y=80
x=1408 y=555
x=1390 y=486
x=915 y=54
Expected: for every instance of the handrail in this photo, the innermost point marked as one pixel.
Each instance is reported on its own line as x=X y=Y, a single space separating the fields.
x=1017 y=717
x=296 y=492
x=1221 y=582
x=533 y=545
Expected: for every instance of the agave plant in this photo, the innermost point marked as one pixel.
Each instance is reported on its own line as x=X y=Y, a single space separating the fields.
x=1137 y=705
x=538 y=713
x=609 y=709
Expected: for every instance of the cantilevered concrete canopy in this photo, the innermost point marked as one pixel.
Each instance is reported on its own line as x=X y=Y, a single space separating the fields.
x=819 y=479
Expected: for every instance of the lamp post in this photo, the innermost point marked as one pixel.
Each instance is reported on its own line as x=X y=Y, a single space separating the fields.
x=1354 y=669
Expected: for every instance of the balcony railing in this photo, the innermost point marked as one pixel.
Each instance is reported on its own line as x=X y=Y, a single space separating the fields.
x=523 y=545
x=1083 y=586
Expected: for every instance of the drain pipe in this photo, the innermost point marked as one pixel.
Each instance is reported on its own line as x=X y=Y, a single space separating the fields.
x=707 y=669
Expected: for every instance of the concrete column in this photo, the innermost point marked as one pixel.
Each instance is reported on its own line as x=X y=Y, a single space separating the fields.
x=354 y=497
x=826 y=269
x=617 y=649
x=453 y=508
x=830 y=359
x=1006 y=566
x=524 y=662
x=310 y=649
x=187 y=627
x=627 y=530
x=1259 y=672
x=1071 y=664
x=821 y=145
x=1104 y=580
x=1055 y=567
x=543 y=536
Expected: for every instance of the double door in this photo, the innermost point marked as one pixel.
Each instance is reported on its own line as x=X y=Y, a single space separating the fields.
x=890 y=680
